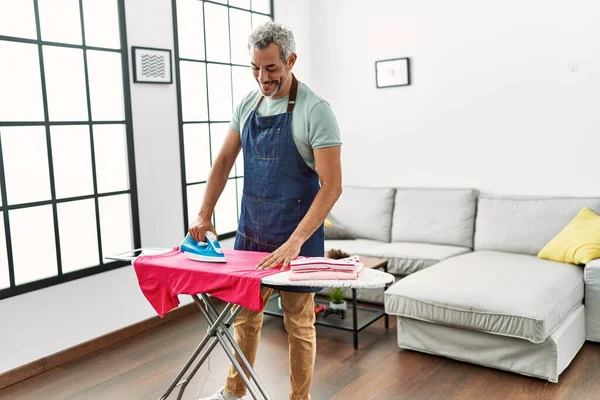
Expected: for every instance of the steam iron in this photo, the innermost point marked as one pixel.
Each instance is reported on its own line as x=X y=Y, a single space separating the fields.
x=209 y=251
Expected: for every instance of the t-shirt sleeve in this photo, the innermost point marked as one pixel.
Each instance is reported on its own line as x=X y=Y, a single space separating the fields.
x=238 y=113
x=323 y=129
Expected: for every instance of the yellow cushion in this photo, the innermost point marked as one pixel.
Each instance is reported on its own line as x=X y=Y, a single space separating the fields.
x=578 y=242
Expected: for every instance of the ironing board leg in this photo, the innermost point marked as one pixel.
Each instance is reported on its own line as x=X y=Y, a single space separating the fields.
x=209 y=311
x=210 y=348
x=244 y=360
x=218 y=332
x=213 y=326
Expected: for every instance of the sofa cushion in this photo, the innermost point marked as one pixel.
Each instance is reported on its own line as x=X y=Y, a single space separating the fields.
x=592 y=300
x=501 y=293
x=403 y=258
x=366 y=212
x=335 y=230
x=441 y=216
x=525 y=224
x=358 y=246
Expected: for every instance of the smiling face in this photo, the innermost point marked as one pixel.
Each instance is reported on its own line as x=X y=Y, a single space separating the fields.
x=271 y=73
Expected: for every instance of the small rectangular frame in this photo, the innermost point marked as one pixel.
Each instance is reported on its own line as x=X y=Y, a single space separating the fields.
x=393 y=72
x=151 y=65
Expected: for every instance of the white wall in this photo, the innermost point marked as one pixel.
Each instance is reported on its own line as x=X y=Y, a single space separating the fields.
x=504 y=98
x=40 y=323
x=296 y=15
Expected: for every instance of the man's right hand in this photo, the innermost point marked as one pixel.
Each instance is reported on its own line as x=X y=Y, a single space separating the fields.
x=199 y=228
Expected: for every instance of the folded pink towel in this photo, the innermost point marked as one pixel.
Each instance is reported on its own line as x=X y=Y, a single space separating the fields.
x=309 y=264
x=321 y=268
x=323 y=276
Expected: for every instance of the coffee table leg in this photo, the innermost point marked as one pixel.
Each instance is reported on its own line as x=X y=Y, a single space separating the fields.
x=387 y=317
x=354 y=320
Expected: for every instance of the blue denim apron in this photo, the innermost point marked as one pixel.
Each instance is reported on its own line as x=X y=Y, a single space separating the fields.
x=279 y=187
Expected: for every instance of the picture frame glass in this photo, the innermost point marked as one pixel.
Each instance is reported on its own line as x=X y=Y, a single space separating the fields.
x=152 y=65
x=392 y=72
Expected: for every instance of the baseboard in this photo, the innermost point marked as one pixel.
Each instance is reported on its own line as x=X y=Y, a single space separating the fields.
x=52 y=361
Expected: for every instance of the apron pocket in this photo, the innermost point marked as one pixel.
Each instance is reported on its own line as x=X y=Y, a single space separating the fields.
x=266 y=144
x=268 y=222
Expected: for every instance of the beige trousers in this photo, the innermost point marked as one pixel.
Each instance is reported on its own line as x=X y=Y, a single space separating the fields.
x=299 y=322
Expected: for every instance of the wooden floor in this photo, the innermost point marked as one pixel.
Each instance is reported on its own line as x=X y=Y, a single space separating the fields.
x=143 y=367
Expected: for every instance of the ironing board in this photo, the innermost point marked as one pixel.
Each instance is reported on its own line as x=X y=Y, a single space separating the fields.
x=220 y=322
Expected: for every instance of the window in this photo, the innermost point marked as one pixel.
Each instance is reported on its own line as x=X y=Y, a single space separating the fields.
x=66 y=168
x=213 y=72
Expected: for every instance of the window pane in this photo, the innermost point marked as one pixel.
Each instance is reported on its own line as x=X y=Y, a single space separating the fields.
x=258 y=19
x=65 y=84
x=72 y=160
x=263 y=6
x=240 y=3
x=21 y=93
x=106 y=85
x=33 y=228
x=243 y=83
x=17 y=18
x=190 y=32
x=195 y=194
x=241 y=25
x=26 y=172
x=218 y=133
x=219 y=91
x=78 y=235
x=60 y=21
x=226 y=209
x=110 y=149
x=115 y=224
x=4 y=276
x=193 y=91
x=197 y=156
x=101 y=23
x=217 y=32
x=220 y=1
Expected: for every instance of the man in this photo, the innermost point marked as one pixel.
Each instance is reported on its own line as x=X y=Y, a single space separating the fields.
x=292 y=178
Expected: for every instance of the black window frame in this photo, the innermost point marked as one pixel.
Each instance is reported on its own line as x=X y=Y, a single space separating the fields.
x=105 y=265
x=235 y=177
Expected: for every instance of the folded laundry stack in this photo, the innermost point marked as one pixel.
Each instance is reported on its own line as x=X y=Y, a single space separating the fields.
x=322 y=268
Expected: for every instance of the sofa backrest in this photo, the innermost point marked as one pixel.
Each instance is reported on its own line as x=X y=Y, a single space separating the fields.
x=524 y=224
x=365 y=212
x=435 y=215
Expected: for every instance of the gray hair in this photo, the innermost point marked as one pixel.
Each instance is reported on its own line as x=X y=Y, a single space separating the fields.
x=273 y=32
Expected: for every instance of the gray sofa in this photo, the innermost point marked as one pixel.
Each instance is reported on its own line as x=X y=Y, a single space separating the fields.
x=470 y=286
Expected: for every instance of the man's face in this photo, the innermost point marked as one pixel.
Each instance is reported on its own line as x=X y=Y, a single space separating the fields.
x=270 y=72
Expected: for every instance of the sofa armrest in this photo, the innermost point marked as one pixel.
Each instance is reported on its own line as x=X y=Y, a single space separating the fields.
x=592 y=300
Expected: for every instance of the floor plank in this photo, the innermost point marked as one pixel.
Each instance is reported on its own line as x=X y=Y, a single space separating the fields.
x=143 y=367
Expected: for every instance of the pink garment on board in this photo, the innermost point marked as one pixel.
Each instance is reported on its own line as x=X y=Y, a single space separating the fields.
x=162 y=277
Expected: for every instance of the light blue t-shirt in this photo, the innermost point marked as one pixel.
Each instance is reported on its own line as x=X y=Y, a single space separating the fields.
x=313 y=124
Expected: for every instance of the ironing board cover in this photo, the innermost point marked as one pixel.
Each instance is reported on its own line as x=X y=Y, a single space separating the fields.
x=164 y=276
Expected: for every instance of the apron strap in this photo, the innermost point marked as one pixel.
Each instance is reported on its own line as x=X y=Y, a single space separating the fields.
x=293 y=92
x=292 y=98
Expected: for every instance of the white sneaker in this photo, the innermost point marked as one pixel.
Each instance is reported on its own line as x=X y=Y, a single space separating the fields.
x=221 y=395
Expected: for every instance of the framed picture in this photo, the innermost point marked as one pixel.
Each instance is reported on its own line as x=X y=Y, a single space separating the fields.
x=151 y=65
x=393 y=72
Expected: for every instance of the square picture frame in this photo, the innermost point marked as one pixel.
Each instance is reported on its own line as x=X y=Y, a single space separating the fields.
x=392 y=72
x=151 y=65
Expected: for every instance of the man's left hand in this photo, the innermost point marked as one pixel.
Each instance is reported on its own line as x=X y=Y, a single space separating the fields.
x=282 y=256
